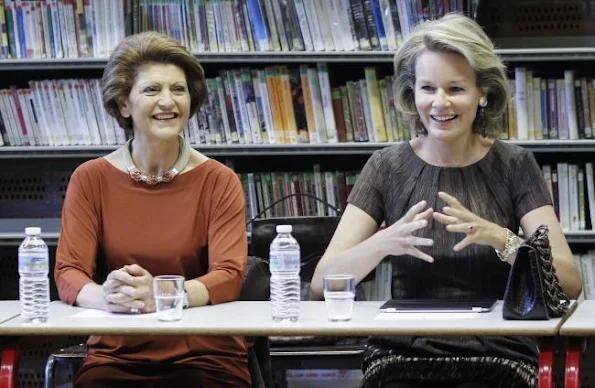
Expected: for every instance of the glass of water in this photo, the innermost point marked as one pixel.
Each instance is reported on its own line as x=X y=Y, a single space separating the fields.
x=339 y=294
x=169 y=297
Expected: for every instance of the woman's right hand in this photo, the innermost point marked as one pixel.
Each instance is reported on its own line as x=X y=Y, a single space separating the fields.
x=397 y=239
x=117 y=301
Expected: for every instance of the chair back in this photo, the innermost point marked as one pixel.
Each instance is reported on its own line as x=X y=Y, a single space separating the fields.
x=312 y=233
x=256 y=286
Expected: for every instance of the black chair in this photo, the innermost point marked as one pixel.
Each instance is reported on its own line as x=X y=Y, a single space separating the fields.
x=313 y=234
x=255 y=287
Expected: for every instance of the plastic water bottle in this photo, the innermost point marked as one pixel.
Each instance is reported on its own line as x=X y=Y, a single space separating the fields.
x=284 y=262
x=34 y=285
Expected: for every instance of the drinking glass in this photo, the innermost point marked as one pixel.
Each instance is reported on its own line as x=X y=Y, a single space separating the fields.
x=169 y=297
x=339 y=294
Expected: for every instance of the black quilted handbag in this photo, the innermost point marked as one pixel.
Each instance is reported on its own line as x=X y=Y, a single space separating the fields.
x=533 y=290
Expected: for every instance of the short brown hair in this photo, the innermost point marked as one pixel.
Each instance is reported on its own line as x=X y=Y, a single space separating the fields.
x=137 y=50
x=458 y=34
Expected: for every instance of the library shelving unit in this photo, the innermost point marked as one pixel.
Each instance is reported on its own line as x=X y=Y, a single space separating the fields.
x=33 y=179
x=17 y=162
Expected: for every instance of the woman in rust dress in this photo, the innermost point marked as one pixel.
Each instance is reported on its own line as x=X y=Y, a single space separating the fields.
x=154 y=206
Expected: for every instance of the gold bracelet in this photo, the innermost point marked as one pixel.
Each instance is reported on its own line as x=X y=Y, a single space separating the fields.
x=511 y=245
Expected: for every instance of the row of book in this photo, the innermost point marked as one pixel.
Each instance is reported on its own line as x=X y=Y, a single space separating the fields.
x=585 y=262
x=281 y=105
x=325 y=193
x=292 y=25
x=287 y=105
x=275 y=105
x=572 y=189
x=32 y=29
x=547 y=108
x=297 y=194
x=57 y=112
x=91 y=28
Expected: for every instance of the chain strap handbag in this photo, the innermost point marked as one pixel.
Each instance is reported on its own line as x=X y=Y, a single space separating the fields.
x=533 y=291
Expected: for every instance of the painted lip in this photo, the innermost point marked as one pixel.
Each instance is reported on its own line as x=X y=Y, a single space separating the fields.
x=164 y=116
x=443 y=123
x=445 y=117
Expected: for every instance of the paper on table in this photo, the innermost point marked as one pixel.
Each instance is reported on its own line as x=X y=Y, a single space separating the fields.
x=91 y=313
x=429 y=316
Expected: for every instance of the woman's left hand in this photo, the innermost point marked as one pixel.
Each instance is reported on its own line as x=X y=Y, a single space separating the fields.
x=141 y=287
x=459 y=219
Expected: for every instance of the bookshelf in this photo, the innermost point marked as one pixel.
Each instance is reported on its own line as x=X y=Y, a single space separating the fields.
x=537 y=52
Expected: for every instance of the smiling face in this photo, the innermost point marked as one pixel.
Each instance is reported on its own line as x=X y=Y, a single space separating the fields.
x=446 y=94
x=159 y=101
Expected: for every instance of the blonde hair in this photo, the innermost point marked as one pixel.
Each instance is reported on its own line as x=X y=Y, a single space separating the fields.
x=137 y=50
x=457 y=34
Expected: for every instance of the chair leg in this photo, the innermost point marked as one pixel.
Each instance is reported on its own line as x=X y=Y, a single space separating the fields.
x=574 y=350
x=255 y=373
x=50 y=365
x=546 y=362
x=9 y=369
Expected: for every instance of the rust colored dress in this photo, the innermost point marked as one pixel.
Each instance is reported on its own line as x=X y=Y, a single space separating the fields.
x=193 y=226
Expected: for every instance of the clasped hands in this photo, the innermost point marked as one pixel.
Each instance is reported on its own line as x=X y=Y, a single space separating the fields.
x=129 y=290
x=397 y=239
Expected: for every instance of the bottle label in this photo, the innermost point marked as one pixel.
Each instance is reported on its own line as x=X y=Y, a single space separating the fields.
x=283 y=261
x=33 y=262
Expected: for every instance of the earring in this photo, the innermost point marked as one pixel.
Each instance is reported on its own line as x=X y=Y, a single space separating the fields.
x=483 y=101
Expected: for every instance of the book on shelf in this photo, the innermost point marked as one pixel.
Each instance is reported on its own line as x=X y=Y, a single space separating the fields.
x=32 y=29
x=550 y=108
x=288 y=105
x=294 y=194
x=570 y=185
x=572 y=189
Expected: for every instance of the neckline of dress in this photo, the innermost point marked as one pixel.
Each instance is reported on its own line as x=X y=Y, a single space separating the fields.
x=476 y=163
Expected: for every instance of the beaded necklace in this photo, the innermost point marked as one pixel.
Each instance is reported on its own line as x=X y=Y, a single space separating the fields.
x=165 y=176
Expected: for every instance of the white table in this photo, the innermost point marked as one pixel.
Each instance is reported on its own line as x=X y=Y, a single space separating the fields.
x=579 y=325
x=9 y=309
x=582 y=320
x=254 y=318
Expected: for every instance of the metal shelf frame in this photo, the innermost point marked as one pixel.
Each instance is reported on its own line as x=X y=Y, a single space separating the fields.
x=49 y=152
x=508 y=55
x=12 y=231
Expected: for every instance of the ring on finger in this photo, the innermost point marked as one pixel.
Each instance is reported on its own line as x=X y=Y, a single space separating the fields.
x=134 y=310
x=469 y=228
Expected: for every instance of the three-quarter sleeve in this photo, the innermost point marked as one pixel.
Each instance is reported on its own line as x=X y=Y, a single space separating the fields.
x=227 y=242
x=529 y=189
x=77 y=246
x=367 y=193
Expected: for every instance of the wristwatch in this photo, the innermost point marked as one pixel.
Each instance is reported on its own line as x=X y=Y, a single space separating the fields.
x=511 y=245
x=185 y=303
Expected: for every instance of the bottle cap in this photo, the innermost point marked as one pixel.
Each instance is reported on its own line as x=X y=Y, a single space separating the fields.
x=32 y=231
x=283 y=228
